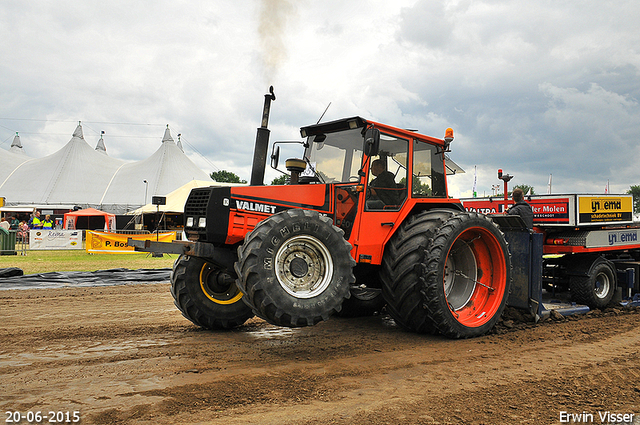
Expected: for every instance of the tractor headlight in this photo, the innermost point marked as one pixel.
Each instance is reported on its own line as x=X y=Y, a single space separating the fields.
x=202 y=222
x=189 y=221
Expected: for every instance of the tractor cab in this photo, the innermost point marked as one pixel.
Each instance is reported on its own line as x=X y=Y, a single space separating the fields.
x=368 y=165
x=350 y=150
x=355 y=150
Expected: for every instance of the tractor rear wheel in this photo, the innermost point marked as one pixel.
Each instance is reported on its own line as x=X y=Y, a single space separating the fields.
x=596 y=283
x=207 y=295
x=295 y=268
x=448 y=272
x=402 y=270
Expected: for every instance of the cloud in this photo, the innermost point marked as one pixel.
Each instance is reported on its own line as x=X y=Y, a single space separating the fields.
x=535 y=88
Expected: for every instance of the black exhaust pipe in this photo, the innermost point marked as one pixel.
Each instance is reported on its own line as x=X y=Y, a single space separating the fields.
x=262 y=143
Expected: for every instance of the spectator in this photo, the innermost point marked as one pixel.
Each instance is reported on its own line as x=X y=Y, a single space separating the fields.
x=4 y=223
x=35 y=222
x=14 y=223
x=23 y=232
x=47 y=223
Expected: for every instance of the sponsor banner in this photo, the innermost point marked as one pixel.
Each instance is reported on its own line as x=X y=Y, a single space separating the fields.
x=565 y=210
x=484 y=206
x=55 y=239
x=604 y=238
x=550 y=210
x=113 y=243
x=597 y=209
x=545 y=210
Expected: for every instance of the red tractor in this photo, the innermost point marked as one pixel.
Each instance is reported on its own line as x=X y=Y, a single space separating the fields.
x=366 y=221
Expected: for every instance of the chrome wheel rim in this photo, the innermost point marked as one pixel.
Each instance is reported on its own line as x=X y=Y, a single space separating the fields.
x=304 y=266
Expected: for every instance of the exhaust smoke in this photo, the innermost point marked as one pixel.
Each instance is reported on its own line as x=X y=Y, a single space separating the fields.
x=274 y=16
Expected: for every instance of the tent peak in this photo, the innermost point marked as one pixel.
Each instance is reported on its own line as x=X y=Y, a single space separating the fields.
x=16 y=145
x=179 y=143
x=100 y=147
x=16 y=141
x=167 y=135
x=78 y=132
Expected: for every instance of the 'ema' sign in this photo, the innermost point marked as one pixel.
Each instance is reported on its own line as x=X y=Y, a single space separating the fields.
x=594 y=209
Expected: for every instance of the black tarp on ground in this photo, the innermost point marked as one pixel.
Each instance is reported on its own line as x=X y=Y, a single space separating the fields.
x=80 y=279
x=11 y=272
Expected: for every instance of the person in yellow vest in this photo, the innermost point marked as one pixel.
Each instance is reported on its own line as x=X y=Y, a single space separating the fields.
x=35 y=222
x=47 y=223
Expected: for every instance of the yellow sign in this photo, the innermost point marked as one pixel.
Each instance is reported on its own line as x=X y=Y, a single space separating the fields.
x=113 y=243
x=2 y=201
x=605 y=208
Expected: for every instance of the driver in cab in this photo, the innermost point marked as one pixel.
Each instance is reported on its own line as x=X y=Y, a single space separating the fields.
x=383 y=189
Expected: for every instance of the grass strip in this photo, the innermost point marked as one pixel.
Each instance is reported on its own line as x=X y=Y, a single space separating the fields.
x=77 y=260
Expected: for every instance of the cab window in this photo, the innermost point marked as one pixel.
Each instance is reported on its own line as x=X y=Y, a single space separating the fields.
x=387 y=182
x=428 y=171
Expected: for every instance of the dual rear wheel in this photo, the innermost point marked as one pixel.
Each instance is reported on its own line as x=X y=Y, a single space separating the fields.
x=447 y=272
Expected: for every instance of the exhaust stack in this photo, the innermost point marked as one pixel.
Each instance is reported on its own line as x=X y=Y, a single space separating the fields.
x=262 y=143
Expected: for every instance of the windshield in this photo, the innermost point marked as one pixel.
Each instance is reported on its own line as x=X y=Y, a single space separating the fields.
x=337 y=159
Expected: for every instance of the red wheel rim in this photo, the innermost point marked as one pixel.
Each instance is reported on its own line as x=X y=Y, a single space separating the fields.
x=475 y=277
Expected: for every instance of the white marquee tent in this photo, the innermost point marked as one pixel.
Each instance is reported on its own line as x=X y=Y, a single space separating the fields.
x=166 y=169
x=78 y=175
x=10 y=160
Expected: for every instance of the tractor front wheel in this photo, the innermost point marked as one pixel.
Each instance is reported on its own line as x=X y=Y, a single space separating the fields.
x=207 y=295
x=295 y=268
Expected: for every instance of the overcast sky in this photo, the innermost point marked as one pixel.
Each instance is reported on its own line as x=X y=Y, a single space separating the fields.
x=535 y=88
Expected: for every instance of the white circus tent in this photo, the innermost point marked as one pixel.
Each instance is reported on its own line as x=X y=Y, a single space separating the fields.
x=78 y=175
x=165 y=170
x=9 y=161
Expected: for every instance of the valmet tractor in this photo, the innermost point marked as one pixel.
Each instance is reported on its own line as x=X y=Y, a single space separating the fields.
x=366 y=220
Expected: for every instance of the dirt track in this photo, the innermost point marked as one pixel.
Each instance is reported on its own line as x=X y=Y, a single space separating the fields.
x=126 y=355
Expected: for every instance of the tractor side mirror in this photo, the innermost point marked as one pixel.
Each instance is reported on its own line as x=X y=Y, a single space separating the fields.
x=319 y=140
x=275 y=157
x=371 y=141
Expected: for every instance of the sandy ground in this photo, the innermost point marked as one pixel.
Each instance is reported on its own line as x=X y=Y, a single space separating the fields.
x=125 y=355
